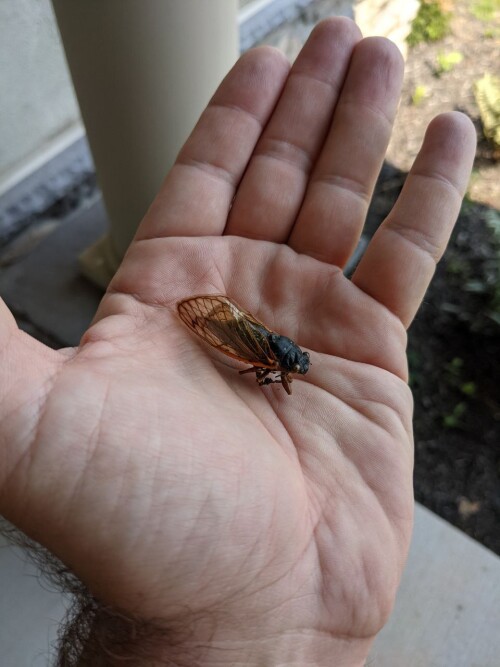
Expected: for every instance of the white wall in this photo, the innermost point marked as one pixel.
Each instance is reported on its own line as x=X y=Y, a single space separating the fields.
x=38 y=109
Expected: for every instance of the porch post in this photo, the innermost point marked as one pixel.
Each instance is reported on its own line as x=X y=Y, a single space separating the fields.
x=143 y=70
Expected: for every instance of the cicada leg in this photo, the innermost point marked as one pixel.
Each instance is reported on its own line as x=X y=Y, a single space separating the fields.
x=286 y=381
x=283 y=378
x=262 y=376
x=263 y=379
x=252 y=369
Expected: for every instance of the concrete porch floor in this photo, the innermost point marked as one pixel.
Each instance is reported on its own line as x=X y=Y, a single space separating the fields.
x=448 y=608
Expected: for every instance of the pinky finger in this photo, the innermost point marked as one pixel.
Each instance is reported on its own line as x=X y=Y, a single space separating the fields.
x=401 y=258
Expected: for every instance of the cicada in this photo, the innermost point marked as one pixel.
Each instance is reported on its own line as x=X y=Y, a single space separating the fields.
x=224 y=325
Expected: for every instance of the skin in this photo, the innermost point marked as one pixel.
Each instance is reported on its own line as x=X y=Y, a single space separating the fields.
x=274 y=527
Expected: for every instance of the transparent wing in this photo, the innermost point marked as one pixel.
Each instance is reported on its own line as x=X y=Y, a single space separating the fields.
x=228 y=328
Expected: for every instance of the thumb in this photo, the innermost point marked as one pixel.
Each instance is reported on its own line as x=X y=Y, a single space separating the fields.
x=27 y=369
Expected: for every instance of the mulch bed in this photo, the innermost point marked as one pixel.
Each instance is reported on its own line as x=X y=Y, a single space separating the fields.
x=454 y=354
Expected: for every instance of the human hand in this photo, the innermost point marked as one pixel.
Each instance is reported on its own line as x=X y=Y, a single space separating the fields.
x=259 y=528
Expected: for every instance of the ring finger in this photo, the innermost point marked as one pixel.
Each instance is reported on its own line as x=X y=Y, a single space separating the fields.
x=334 y=209
x=273 y=186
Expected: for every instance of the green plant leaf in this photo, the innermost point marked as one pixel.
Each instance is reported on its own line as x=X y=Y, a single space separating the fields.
x=468 y=388
x=429 y=25
x=419 y=95
x=447 y=61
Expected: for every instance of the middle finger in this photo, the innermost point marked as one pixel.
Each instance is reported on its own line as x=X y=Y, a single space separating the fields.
x=271 y=191
x=335 y=205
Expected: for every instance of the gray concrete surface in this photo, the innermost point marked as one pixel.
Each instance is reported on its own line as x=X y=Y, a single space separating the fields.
x=30 y=614
x=40 y=280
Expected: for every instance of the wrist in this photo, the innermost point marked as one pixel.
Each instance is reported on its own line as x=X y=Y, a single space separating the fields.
x=116 y=638
x=308 y=648
x=285 y=652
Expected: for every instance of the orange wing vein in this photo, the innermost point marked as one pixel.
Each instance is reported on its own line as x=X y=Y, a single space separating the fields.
x=220 y=322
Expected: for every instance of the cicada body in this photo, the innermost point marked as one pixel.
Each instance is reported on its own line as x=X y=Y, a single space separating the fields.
x=221 y=323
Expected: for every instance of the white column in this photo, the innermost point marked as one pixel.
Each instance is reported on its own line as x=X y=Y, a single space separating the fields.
x=143 y=70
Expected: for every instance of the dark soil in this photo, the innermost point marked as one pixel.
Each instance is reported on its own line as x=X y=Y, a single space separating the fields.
x=454 y=354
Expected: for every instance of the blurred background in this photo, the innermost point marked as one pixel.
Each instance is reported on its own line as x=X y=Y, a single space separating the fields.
x=60 y=241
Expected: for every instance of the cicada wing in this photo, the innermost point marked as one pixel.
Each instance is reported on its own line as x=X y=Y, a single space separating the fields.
x=228 y=328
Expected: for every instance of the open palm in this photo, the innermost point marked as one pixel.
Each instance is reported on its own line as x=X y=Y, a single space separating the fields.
x=176 y=489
